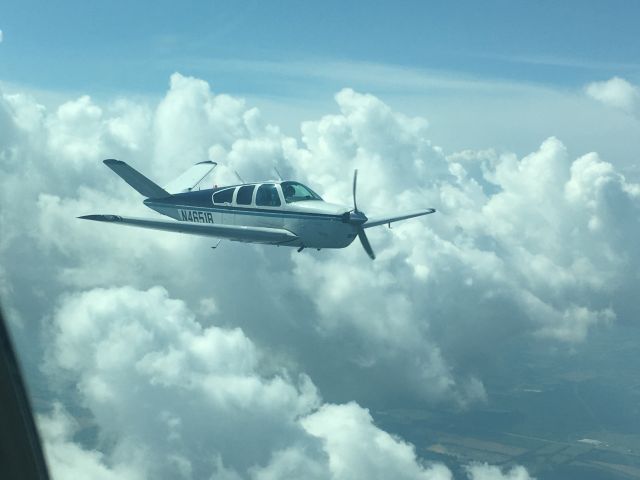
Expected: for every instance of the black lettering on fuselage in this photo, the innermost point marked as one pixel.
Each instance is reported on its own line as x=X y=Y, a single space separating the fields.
x=196 y=216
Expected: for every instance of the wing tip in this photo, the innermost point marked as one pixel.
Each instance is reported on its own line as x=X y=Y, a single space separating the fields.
x=112 y=161
x=101 y=218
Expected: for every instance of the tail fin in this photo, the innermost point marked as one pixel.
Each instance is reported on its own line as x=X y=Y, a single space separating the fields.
x=190 y=179
x=138 y=181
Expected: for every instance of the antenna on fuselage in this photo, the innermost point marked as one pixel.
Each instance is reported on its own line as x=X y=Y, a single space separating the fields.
x=239 y=177
x=278 y=173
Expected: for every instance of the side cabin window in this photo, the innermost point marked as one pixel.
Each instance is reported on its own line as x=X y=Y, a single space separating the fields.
x=245 y=195
x=296 y=192
x=267 y=196
x=223 y=196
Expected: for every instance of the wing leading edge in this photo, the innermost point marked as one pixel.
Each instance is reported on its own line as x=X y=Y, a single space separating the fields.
x=272 y=236
x=374 y=222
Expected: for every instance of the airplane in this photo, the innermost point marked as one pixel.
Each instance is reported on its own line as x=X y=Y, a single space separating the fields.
x=283 y=213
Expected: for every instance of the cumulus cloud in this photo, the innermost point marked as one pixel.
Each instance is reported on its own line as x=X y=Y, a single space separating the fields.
x=510 y=237
x=174 y=400
x=617 y=93
x=545 y=237
x=483 y=471
x=152 y=376
x=357 y=449
x=539 y=247
x=68 y=459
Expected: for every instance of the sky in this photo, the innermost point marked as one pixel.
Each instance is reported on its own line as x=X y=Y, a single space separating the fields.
x=151 y=355
x=289 y=59
x=119 y=46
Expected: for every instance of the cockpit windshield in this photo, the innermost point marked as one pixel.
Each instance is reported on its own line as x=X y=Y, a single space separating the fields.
x=296 y=192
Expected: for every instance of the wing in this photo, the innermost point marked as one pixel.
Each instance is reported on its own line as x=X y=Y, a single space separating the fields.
x=273 y=236
x=374 y=222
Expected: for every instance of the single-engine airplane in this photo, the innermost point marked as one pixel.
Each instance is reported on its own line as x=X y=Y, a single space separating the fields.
x=285 y=213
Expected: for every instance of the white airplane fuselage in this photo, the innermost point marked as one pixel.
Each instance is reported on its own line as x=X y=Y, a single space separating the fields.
x=315 y=223
x=284 y=213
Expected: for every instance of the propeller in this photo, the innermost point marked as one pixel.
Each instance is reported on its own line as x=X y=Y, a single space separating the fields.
x=357 y=218
x=365 y=243
x=355 y=184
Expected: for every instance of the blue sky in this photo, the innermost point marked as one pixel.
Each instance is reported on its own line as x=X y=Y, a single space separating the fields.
x=125 y=46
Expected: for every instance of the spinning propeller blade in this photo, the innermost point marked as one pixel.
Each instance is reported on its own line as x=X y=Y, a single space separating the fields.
x=365 y=243
x=355 y=182
x=358 y=218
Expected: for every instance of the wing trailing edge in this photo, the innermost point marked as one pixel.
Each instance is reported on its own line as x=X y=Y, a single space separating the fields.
x=237 y=233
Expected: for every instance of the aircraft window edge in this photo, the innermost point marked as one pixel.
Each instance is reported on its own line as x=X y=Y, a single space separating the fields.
x=297 y=191
x=278 y=194
x=213 y=195
x=251 y=186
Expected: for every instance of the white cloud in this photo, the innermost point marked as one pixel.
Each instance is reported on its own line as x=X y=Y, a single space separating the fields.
x=468 y=111
x=292 y=462
x=75 y=130
x=390 y=77
x=617 y=93
x=171 y=399
x=1 y=36
x=482 y=471
x=531 y=232
x=540 y=246
x=357 y=449
x=151 y=375
x=512 y=231
x=67 y=459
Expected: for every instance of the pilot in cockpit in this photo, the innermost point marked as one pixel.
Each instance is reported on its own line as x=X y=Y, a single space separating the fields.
x=288 y=192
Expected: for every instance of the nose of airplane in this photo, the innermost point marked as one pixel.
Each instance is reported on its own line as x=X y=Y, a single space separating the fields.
x=354 y=217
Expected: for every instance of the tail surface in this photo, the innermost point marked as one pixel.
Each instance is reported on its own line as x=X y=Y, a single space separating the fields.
x=192 y=178
x=139 y=182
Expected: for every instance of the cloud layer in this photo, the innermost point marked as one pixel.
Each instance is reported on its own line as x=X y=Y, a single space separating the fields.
x=191 y=379
x=172 y=399
x=617 y=93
